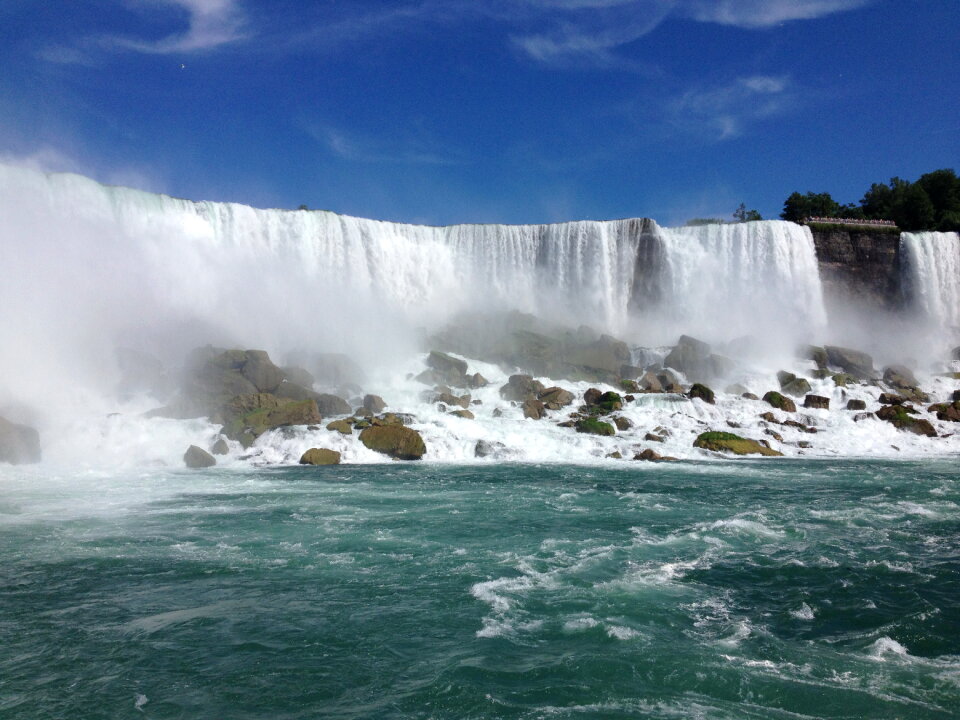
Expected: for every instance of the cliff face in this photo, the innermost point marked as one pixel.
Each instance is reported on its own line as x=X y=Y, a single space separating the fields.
x=860 y=265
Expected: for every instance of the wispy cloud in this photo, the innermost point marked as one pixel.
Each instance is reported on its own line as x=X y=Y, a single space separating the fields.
x=210 y=24
x=766 y=13
x=724 y=112
x=367 y=149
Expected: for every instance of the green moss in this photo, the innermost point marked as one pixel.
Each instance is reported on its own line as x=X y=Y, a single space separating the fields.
x=728 y=442
x=592 y=426
x=779 y=401
x=701 y=391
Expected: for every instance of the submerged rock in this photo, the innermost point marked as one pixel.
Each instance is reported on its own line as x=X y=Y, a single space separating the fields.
x=728 y=442
x=196 y=457
x=485 y=448
x=592 y=426
x=703 y=392
x=19 y=444
x=320 y=456
x=396 y=441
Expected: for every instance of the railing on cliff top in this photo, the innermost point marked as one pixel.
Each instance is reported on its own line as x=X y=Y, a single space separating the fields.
x=849 y=221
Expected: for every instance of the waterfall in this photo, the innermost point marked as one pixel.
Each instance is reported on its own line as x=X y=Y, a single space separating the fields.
x=931 y=264
x=90 y=266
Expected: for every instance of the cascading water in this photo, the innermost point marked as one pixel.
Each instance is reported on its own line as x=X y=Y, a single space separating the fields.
x=931 y=262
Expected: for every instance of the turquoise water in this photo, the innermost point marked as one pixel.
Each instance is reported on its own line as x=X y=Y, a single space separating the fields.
x=720 y=590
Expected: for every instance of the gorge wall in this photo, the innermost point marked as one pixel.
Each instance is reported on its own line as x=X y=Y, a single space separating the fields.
x=860 y=265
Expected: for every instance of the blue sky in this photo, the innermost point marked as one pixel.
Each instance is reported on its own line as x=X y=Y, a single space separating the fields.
x=443 y=111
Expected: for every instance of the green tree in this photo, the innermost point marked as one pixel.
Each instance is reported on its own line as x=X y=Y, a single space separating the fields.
x=799 y=207
x=912 y=209
x=741 y=214
x=943 y=189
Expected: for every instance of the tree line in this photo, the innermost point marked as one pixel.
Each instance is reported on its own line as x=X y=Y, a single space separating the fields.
x=930 y=203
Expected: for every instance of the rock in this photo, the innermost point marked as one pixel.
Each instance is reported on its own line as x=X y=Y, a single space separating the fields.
x=397 y=441
x=362 y=412
x=485 y=448
x=374 y=403
x=220 y=447
x=900 y=417
x=19 y=444
x=956 y=396
x=728 y=442
x=615 y=455
x=592 y=396
x=518 y=387
x=648 y=454
x=856 y=405
x=341 y=426
x=629 y=386
x=691 y=357
x=392 y=419
x=298 y=376
x=448 y=399
x=293 y=391
x=650 y=383
x=331 y=405
x=793 y=385
x=601 y=358
x=702 y=392
x=245 y=427
x=260 y=370
x=860 y=417
x=556 y=397
x=891 y=399
x=650 y=437
x=609 y=402
x=592 y=426
x=320 y=456
x=816 y=401
x=779 y=401
x=899 y=376
x=465 y=414
x=476 y=381
x=854 y=362
x=749 y=396
x=955 y=353
x=817 y=354
x=623 y=424
x=947 y=411
x=843 y=379
x=196 y=457
x=533 y=408
x=774 y=434
x=453 y=370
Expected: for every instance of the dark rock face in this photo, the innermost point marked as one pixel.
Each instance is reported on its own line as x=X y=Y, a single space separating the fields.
x=854 y=362
x=947 y=411
x=702 y=392
x=861 y=264
x=196 y=457
x=816 y=401
x=19 y=444
x=856 y=405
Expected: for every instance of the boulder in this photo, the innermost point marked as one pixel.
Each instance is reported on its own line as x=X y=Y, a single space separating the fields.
x=650 y=383
x=331 y=405
x=293 y=391
x=623 y=424
x=396 y=441
x=391 y=419
x=298 y=376
x=518 y=387
x=533 y=408
x=196 y=457
x=650 y=455
x=591 y=396
x=843 y=379
x=856 y=405
x=899 y=377
x=556 y=397
x=817 y=402
x=476 y=381
x=955 y=353
x=341 y=426
x=465 y=414
x=793 y=385
x=817 y=354
x=900 y=416
x=19 y=444
x=320 y=456
x=374 y=403
x=609 y=402
x=485 y=448
x=728 y=442
x=702 y=392
x=453 y=370
x=779 y=401
x=891 y=399
x=691 y=357
x=245 y=427
x=220 y=447
x=260 y=370
x=652 y=437
x=630 y=386
x=749 y=396
x=449 y=399
x=854 y=362
x=947 y=411
x=956 y=396
x=592 y=426
x=600 y=358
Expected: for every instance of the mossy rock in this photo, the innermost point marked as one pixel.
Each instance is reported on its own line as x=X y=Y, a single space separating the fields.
x=780 y=402
x=844 y=379
x=397 y=441
x=592 y=426
x=320 y=456
x=947 y=411
x=248 y=427
x=798 y=387
x=728 y=442
x=341 y=426
x=901 y=417
x=701 y=391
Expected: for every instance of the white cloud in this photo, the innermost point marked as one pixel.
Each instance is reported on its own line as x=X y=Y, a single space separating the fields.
x=765 y=13
x=210 y=24
x=724 y=112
